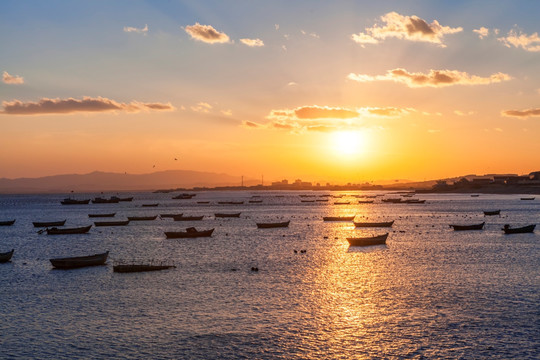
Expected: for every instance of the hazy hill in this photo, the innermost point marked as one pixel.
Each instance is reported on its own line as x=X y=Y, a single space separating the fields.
x=102 y=181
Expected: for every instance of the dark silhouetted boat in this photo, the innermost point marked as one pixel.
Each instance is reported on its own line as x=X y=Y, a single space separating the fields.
x=368 y=241
x=7 y=222
x=307 y=201
x=129 y=268
x=468 y=227
x=111 y=223
x=413 y=201
x=188 y=218
x=78 y=230
x=169 y=215
x=475 y=195
x=342 y=203
x=189 y=233
x=48 y=223
x=227 y=215
x=365 y=201
x=150 y=205
x=392 y=200
x=184 y=196
x=273 y=225
x=374 y=224
x=100 y=200
x=70 y=201
x=230 y=202
x=101 y=215
x=122 y=199
x=339 y=218
x=520 y=230
x=142 y=218
x=491 y=213
x=255 y=201
x=5 y=257
x=527 y=198
x=203 y=202
x=79 y=261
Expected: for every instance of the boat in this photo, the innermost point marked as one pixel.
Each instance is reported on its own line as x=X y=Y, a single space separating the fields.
x=101 y=215
x=122 y=199
x=413 y=201
x=188 y=218
x=70 y=201
x=365 y=201
x=150 y=205
x=7 y=223
x=100 y=200
x=374 y=224
x=368 y=241
x=230 y=202
x=493 y=212
x=342 y=203
x=129 y=268
x=475 y=195
x=203 y=202
x=520 y=230
x=142 y=218
x=169 y=215
x=78 y=230
x=468 y=227
x=48 y=223
x=111 y=223
x=189 y=233
x=79 y=261
x=307 y=201
x=321 y=200
x=227 y=215
x=392 y=200
x=255 y=201
x=183 y=196
x=527 y=198
x=5 y=257
x=273 y=225
x=339 y=218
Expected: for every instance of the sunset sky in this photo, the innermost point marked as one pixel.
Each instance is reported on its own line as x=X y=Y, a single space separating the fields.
x=340 y=91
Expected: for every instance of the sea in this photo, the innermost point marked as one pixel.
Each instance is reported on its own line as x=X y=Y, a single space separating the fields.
x=299 y=292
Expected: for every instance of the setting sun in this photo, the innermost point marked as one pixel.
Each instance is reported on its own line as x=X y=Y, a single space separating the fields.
x=349 y=143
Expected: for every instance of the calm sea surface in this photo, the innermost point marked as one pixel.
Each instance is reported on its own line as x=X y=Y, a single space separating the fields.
x=429 y=293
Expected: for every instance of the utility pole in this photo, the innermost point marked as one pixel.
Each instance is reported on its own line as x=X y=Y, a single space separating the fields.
x=262 y=180
x=242 y=180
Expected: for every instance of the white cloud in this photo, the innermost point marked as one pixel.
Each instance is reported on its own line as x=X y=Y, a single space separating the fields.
x=143 y=30
x=12 y=79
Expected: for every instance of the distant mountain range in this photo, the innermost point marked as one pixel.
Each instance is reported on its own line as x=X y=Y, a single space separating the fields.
x=104 y=181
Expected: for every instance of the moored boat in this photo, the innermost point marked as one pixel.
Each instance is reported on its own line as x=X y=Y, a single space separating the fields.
x=7 y=223
x=468 y=227
x=169 y=215
x=230 y=202
x=520 y=230
x=368 y=241
x=188 y=218
x=492 y=212
x=79 y=261
x=413 y=201
x=189 y=233
x=122 y=199
x=48 y=223
x=100 y=200
x=129 y=268
x=183 y=196
x=342 y=203
x=78 y=230
x=527 y=198
x=150 y=205
x=227 y=215
x=101 y=215
x=255 y=201
x=338 y=218
x=365 y=201
x=273 y=225
x=142 y=218
x=392 y=200
x=111 y=223
x=70 y=201
x=5 y=257
x=374 y=224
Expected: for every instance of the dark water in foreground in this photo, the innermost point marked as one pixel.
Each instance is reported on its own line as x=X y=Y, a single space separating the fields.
x=429 y=293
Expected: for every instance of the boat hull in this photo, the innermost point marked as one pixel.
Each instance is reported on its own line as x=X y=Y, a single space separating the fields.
x=111 y=223
x=188 y=234
x=374 y=224
x=7 y=223
x=48 y=223
x=5 y=257
x=79 y=261
x=273 y=225
x=368 y=241
x=468 y=227
x=520 y=230
x=129 y=268
x=80 y=230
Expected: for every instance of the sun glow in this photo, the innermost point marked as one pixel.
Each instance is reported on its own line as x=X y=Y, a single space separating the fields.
x=349 y=143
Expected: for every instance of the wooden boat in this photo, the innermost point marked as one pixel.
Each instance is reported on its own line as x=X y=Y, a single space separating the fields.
x=321 y=200
x=5 y=257
x=100 y=200
x=392 y=200
x=142 y=218
x=70 y=201
x=339 y=218
x=203 y=202
x=494 y=212
x=368 y=241
x=520 y=230
x=169 y=215
x=111 y=223
x=129 y=268
x=122 y=199
x=227 y=215
x=527 y=198
x=255 y=201
x=188 y=218
x=183 y=196
x=468 y=227
x=475 y=195
x=189 y=233
x=150 y=205
x=342 y=203
x=365 y=201
x=7 y=223
x=48 y=223
x=230 y=202
x=413 y=201
x=273 y=225
x=78 y=230
x=79 y=261
x=101 y=215
x=374 y=224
